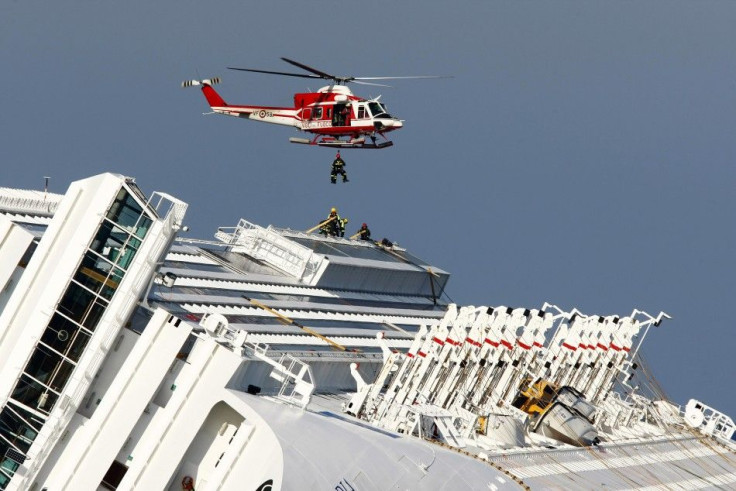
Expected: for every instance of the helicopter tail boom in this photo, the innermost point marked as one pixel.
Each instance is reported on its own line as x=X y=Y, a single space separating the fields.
x=213 y=98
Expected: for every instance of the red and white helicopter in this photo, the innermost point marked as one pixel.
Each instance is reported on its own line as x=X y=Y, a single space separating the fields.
x=335 y=116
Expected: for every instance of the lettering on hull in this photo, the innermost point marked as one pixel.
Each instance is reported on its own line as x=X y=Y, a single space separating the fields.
x=317 y=124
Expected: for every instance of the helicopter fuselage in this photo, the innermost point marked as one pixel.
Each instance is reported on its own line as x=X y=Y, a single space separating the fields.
x=332 y=111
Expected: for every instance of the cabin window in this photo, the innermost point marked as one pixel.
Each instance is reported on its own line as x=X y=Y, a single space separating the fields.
x=361 y=112
x=317 y=112
x=329 y=112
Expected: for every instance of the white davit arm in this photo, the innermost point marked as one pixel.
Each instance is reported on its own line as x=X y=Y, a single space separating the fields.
x=709 y=421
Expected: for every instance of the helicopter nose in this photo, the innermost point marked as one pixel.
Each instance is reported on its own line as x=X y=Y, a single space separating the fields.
x=389 y=123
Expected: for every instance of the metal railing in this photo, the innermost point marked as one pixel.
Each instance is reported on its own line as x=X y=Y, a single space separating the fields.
x=271 y=247
x=46 y=206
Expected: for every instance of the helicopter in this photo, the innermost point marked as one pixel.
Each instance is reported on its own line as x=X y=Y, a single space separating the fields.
x=333 y=114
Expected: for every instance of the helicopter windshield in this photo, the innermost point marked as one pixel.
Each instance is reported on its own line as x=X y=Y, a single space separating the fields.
x=378 y=110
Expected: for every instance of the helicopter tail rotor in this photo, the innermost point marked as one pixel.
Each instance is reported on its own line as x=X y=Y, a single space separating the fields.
x=213 y=98
x=206 y=81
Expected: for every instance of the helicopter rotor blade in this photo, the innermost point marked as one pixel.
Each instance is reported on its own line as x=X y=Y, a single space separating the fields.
x=313 y=70
x=356 y=81
x=288 y=74
x=326 y=76
x=400 y=78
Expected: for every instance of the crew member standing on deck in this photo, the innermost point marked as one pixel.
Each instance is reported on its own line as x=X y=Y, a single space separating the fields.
x=331 y=226
x=364 y=233
x=342 y=222
x=338 y=167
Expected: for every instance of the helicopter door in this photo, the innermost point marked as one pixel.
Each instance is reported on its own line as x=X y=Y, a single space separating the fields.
x=341 y=115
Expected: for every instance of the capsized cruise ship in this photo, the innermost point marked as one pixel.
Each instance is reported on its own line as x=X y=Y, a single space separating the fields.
x=263 y=358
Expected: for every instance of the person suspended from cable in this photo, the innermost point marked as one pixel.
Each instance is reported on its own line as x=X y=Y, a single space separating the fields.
x=338 y=167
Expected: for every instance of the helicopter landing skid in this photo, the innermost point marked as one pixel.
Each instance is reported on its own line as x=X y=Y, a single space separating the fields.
x=350 y=144
x=334 y=142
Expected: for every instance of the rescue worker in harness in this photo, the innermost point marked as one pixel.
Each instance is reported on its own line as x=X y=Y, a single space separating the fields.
x=338 y=167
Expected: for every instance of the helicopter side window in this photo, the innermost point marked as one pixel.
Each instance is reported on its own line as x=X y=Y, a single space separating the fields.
x=361 y=112
x=317 y=113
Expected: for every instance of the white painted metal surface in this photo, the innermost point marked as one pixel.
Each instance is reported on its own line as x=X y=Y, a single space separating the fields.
x=427 y=388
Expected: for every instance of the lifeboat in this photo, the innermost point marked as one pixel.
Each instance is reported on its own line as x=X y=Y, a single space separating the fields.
x=560 y=413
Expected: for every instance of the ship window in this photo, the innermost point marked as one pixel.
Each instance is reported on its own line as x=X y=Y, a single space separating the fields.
x=18 y=427
x=98 y=275
x=125 y=256
x=65 y=336
x=108 y=238
x=33 y=394
x=49 y=367
x=31 y=419
x=94 y=313
x=112 y=241
x=7 y=466
x=126 y=212
x=114 y=475
x=81 y=305
x=27 y=255
x=16 y=431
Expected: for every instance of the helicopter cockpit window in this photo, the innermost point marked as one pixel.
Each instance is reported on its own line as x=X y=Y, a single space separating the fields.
x=317 y=113
x=378 y=110
x=361 y=112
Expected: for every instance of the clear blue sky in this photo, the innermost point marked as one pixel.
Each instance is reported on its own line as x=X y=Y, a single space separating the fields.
x=584 y=153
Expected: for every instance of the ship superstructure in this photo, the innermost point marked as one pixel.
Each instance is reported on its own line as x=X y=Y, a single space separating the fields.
x=268 y=358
